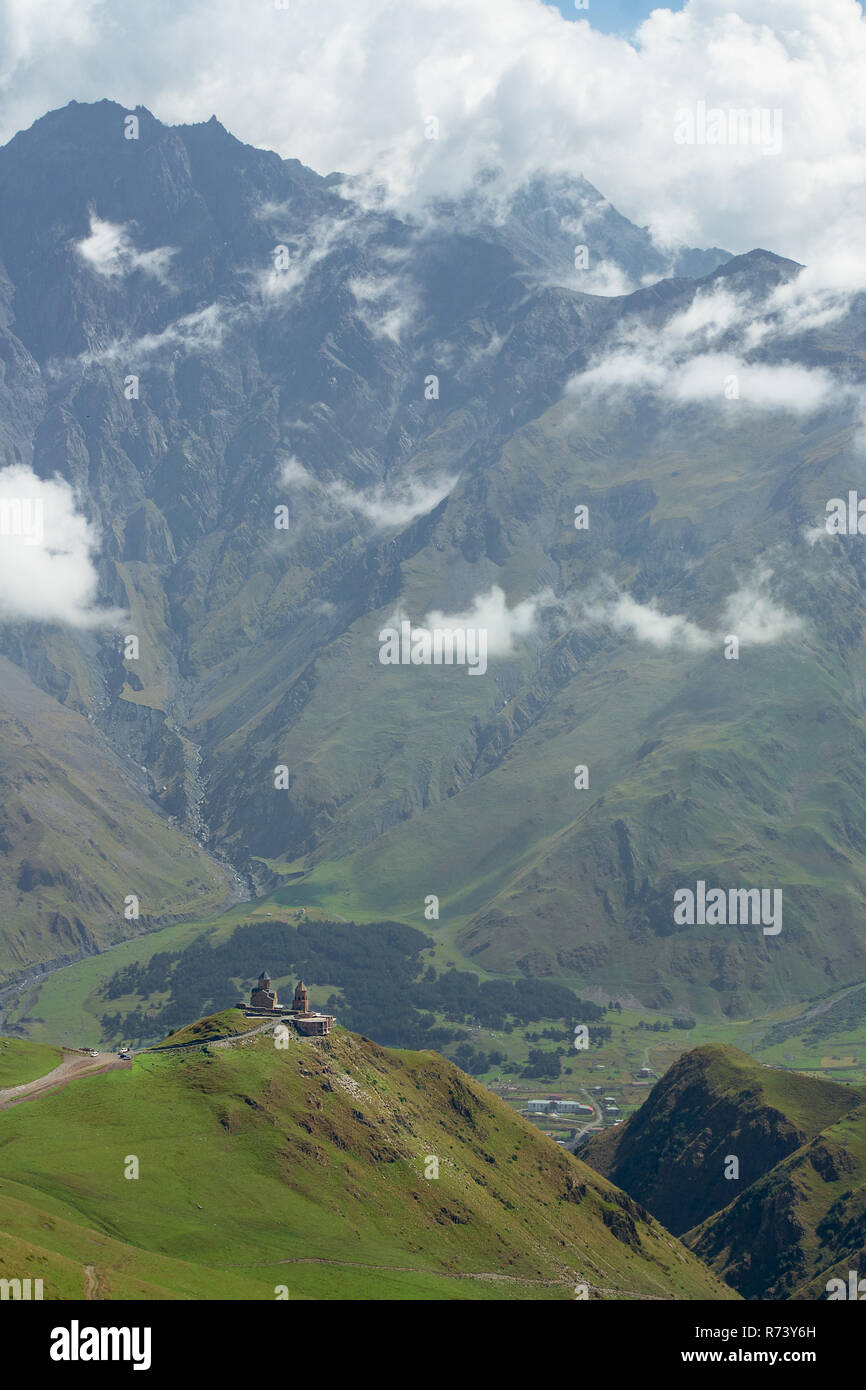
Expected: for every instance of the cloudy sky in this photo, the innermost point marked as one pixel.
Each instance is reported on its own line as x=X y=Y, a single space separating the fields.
x=350 y=85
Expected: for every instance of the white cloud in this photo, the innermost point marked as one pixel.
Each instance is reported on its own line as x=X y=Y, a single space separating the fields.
x=110 y=251
x=387 y=305
x=294 y=258
x=47 y=550
x=647 y=623
x=682 y=362
x=604 y=278
x=200 y=331
x=294 y=474
x=511 y=82
x=464 y=357
x=490 y=612
x=750 y=613
x=487 y=352
x=387 y=505
x=391 y=505
x=818 y=296
x=783 y=386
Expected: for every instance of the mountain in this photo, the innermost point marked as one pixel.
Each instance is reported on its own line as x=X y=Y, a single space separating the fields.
x=307 y=1168
x=800 y=1225
x=544 y=221
x=61 y=777
x=714 y=1101
x=791 y=1216
x=280 y=342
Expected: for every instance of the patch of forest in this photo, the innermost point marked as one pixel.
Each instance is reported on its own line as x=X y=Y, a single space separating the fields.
x=386 y=990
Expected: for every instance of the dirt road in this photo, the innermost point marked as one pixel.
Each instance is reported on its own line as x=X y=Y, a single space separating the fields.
x=74 y=1065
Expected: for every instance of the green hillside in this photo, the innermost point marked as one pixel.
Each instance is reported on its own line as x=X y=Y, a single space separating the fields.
x=713 y=1103
x=81 y=833
x=229 y=1023
x=25 y=1061
x=305 y=1168
x=730 y=771
x=799 y=1225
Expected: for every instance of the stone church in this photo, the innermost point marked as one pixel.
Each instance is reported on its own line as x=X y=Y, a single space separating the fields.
x=262 y=996
x=263 y=1000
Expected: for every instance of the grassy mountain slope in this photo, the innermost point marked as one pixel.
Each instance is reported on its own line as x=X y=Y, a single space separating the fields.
x=25 y=1061
x=304 y=1167
x=698 y=767
x=799 y=1225
x=221 y=1025
x=713 y=1102
x=80 y=833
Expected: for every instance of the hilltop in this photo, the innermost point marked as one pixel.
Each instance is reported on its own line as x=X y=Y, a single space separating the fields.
x=796 y=1214
x=227 y=1023
x=305 y=1167
x=714 y=1101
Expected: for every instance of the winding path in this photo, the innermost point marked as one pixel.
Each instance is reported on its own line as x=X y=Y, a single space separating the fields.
x=77 y=1064
x=74 y=1065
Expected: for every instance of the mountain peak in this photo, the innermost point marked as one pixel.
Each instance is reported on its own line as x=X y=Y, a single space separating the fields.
x=758 y=261
x=714 y=1101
